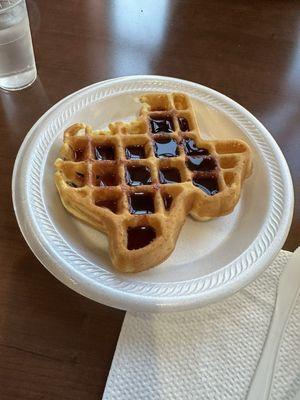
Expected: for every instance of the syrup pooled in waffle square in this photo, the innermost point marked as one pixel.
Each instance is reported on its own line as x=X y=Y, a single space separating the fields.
x=138 y=181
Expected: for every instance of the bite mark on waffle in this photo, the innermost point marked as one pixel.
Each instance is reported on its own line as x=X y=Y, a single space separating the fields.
x=138 y=181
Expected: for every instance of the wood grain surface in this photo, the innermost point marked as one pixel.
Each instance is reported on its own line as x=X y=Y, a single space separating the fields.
x=54 y=343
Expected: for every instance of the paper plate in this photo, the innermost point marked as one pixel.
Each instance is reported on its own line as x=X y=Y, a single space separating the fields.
x=211 y=260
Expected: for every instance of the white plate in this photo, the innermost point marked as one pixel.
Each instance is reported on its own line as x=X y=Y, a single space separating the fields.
x=211 y=259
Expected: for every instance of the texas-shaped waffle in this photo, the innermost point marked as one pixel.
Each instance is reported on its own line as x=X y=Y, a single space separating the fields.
x=138 y=181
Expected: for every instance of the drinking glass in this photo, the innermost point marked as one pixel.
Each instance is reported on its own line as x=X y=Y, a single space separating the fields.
x=17 y=63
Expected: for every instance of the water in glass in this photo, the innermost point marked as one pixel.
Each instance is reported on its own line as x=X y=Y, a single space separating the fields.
x=17 y=63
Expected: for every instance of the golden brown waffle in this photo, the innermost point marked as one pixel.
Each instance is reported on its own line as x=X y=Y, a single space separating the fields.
x=138 y=181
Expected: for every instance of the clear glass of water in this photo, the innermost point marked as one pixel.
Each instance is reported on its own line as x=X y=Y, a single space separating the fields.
x=17 y=63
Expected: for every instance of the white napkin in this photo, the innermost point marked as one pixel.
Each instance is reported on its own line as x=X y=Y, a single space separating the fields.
x=208 y=353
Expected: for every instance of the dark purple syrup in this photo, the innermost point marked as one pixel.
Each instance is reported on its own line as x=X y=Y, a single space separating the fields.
x=139 y=237
x=201 y=163
x=141 y=203
x=169 y=175
x=104 y=153
x=208 y=185
x=165 y=147
x=161 y=124
x=191 y=149
x=137 y=175
x=167 y=199
x=183 y=124
x=135 y=152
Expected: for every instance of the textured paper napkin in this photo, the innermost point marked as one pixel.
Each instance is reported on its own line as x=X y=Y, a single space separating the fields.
x=209 y=353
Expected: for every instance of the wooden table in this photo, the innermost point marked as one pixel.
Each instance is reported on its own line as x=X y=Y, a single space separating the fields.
x=54 y=343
